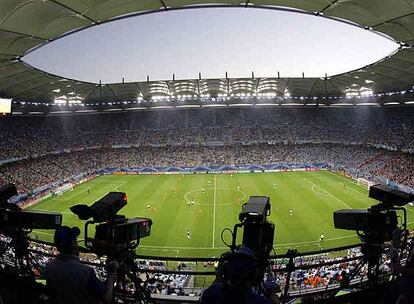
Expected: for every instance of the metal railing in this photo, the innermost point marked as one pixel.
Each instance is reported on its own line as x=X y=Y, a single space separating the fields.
x=298 y=274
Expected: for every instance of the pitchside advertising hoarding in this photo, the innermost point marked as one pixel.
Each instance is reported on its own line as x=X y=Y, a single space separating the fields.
x=5 y=106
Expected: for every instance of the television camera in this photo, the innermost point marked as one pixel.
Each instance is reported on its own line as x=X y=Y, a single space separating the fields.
x=13 y=219
x=258 y=232
x=378 y=225
x=114 y=233
x=253 y=253
x=15 y=225
x=117 y=237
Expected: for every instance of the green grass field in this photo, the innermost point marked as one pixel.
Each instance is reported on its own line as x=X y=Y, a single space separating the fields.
x=178 y=202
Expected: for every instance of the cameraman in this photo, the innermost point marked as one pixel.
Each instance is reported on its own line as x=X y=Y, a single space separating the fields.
x=235 y=280
x=406 y=288
x=70 y=281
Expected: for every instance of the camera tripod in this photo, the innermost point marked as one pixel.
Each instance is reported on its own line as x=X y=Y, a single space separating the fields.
x=20 y=276
x=24 y=260
x=372 y=256
x=128 y=272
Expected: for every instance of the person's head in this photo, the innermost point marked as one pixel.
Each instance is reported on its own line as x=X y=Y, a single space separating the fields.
x=66 y=240
x=239 y=268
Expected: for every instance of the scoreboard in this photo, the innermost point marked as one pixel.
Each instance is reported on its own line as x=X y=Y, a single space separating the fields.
x=5 y=106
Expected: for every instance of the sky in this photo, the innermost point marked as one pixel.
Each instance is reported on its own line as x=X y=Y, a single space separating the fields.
x=212 y=42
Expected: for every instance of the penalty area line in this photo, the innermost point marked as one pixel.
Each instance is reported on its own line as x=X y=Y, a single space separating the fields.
x=334 y=197
x=350 y=181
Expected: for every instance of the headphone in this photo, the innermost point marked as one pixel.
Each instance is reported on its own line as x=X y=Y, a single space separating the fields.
x=239 y=268
x=65 y=238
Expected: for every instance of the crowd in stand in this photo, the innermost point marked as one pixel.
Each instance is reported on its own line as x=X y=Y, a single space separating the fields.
x=323 y=276
x=58 y=147
x=35 y=135
x=364 y=161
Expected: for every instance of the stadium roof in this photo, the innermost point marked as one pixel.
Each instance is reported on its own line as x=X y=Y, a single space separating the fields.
x=28 y=24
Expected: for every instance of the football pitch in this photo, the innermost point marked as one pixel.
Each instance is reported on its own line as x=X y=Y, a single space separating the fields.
x=205 y=204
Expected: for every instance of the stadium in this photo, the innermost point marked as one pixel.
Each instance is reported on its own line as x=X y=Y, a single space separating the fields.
x=189 y=153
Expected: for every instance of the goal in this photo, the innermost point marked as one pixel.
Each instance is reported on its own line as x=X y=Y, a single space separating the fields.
x=63 y=189
x=365 y=183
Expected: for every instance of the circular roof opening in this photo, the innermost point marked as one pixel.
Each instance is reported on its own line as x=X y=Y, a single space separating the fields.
x=212 y=41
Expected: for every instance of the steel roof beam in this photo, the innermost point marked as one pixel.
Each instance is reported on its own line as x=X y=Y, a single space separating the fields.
x=311 y=90
x=112 y=91
x=32 y=88
x=24 y=34
x=140 y=89
x=73 y=10
x=164 y=5
x=328 y=6
x=393 y=19
x=18 y=73
x=23 y=81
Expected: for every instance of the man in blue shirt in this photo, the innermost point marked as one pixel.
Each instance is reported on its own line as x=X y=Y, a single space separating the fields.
x=70 y=281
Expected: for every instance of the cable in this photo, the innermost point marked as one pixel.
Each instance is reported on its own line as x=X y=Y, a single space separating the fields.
x=221 y=236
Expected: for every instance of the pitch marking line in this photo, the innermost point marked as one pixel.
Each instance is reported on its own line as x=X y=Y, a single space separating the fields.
x=341 y=201
x=120 y=185
x=206 y=248
x=214 y=208
x=277 y=246
x=168 y=250
x=59 y=198
x=43 y=232
x=187 y=199
x=62 y=212
x=353 y=182
x=84 y=189
x=74 y=195
x=359 y=192
x=350 y=181
x=318 y=192
x=174 y=248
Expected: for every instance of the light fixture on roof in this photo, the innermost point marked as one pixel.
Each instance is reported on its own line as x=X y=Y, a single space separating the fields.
x=60 y=100
x=365 y=92
x=286 y=93
x=355 y=91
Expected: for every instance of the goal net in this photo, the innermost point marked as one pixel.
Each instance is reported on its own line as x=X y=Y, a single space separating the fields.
x=63 y=189
x=365 y=183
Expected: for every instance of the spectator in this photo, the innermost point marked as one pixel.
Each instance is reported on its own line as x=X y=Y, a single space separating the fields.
x=70 y=281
